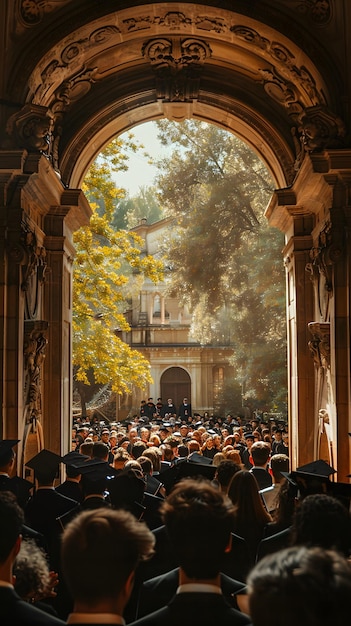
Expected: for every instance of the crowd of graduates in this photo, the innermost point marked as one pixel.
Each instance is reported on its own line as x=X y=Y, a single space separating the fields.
x=181 y=488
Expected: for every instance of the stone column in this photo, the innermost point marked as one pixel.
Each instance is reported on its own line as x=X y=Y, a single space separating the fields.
x=36 y=275
x=60 y=222
x=315 y=216
x=299 y=296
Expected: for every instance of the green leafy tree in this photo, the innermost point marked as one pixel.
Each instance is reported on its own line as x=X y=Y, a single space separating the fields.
x=106 y=264
x=225 y=261
x=130 y=210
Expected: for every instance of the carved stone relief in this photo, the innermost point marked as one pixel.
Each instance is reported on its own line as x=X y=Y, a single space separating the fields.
x=34 y=354
x=30 y=128
x=31 y=12
x=177 y=63
x=69 y=75
x=320 y=344
x=319 y=11
x=323 y=256
x=33 y=274
x=319 y=129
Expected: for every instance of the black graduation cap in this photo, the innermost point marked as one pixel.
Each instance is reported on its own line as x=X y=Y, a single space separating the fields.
x=186 y=469
x=195 y=457
x=311 y=478
x=6 y=446
x=127 y=491
x=192 y=470
x=73 y=458
x=95 y=469
x=249 y=435
x=317 y=468
x=45 y=463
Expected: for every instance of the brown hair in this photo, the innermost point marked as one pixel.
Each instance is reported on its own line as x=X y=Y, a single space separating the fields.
x=100 y=549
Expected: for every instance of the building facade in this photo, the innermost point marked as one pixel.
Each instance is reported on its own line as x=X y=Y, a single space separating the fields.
x=161 y=330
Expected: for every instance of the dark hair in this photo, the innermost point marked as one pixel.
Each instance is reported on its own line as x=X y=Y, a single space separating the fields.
x=100 y=549
x=305 y=586
x=251 y=516
x=100 y=450
x=11 y=521
x=195 y=508
x=321 y=520
x=260 y=452
x=138 y=449
x=225 y=472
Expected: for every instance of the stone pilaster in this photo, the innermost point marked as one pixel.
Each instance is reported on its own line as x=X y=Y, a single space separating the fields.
x=60 y=223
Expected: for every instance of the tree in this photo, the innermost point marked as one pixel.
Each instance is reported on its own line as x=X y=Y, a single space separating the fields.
x=130 y=210
x=107 y=262
x=224 y=259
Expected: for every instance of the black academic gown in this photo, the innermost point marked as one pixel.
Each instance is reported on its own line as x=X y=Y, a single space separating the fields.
x=17 y=612
x=157 y=592
x=41 y=513
x=71 y=489
x=200 y=609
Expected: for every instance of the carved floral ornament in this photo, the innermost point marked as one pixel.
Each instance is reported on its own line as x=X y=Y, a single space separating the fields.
x=324 y=255
x=319 y=11
x=35 y=343
x=32 y=258
x=320 y=344
x=177 y=61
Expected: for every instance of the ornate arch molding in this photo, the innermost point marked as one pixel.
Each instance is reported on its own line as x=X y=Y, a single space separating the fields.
x=175 y=48
x=229 y=115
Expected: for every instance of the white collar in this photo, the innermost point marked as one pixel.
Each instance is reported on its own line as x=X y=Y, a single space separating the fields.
x=198 y=588
x=95 y=618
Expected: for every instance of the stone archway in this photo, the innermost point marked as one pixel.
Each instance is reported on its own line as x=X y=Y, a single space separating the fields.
x=77 y=76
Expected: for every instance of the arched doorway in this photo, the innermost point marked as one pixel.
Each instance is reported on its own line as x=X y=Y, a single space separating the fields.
x=175 y=383
x=76 y=76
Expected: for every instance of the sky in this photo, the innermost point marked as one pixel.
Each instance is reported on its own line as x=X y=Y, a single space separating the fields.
x=140 y=172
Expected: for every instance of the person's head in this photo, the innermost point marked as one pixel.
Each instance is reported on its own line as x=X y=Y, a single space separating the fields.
x=145 y=434
x=234 y=456
x=218 y=458
x=197 y=514
x=300 y=585
x=260 y=451
x=86 y=448
x=100 y=451
x=105 y=436
x=225 y=472
x=7 y=455
x=100 y=552
x=279 y=463
x=243 y=492
x=196 y=434
x=138 y=448
x=194 y=446
x=155 y=455
x=249 y=440
x=321 y=520
x=11 y=520
x=146 y=465
x=120 y=459
x=31 y=571
x=133 y=434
